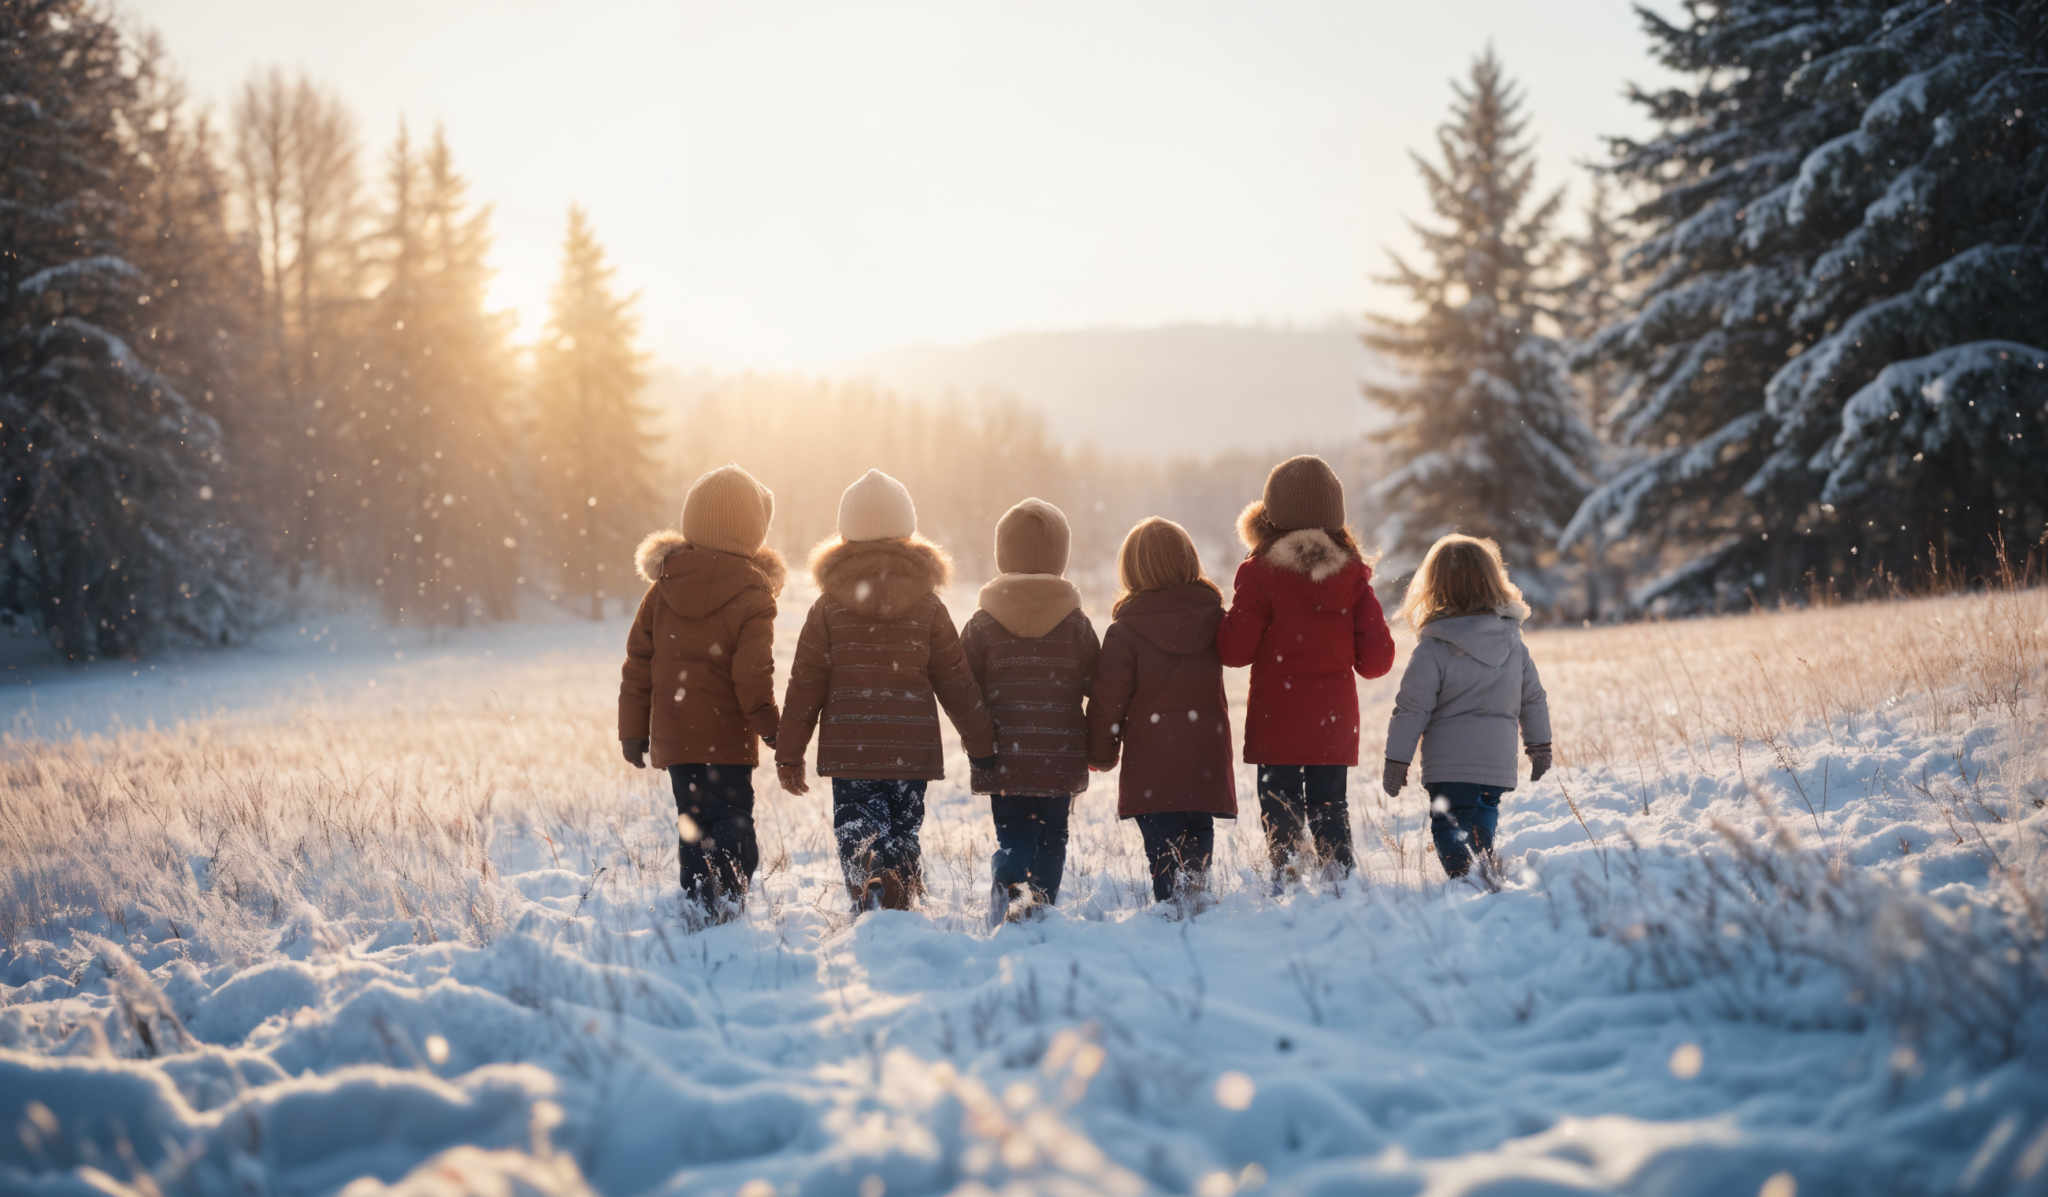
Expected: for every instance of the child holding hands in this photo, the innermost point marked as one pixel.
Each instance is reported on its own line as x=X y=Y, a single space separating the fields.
x=1304 y=616
x=1158 y=701
x=698 y=687
x=876 y=651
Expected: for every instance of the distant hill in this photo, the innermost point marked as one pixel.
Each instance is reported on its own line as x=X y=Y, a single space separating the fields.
x=1182 y=389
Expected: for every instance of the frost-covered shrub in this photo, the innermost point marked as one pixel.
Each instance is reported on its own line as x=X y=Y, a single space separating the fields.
x=1779 y=933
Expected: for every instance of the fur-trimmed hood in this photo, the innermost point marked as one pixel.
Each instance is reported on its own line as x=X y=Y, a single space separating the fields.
x=1029 y=605
x=1310 y=551
x=880 y=577
x=696 y=581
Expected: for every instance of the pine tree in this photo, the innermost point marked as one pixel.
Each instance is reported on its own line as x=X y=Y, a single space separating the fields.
x=107 y=463
x=1709 y=325
x=1919 y=406
x=1591 y=300
x=592 y=430
x=469 y=376
x=1838 y=348
x=404 y=462
x=299 y=196
x=1486 y=423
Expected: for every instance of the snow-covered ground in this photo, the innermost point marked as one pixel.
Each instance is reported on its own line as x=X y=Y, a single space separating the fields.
x=320 y=916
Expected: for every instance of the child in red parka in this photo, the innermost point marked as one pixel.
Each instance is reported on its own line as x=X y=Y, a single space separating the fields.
x=1303 y=615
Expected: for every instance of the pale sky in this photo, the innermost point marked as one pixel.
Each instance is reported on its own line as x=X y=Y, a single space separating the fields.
x=798 y=184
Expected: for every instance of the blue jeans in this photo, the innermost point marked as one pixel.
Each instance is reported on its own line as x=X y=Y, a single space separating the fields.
x=1177 y=850
x=1031 y=844
x=1462 y=816
x=876 y=823
x=716 y=848
x=1298 y=799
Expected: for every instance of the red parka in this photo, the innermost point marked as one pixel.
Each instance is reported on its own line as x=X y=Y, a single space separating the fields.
x=1304 y=617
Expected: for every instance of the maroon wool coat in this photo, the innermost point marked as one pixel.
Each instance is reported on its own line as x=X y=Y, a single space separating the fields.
x=1303 y=615
x=1158 y=699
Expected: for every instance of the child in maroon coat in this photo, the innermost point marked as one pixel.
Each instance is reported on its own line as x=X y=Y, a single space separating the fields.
x=1158 y=701
x=1303 y=615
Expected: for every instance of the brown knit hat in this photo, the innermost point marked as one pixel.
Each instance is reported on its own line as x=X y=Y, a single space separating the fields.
x=729 y=510
x=1031 y=538
x=1303 y=492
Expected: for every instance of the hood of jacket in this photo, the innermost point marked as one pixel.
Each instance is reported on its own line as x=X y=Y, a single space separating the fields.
x=1309 y=551
x=880 y=578
x=1487 y=639
x=1030 y=605
x=1176 y=619
x=695 y=581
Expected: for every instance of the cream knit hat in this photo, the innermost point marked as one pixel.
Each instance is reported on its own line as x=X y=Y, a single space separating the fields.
x=877 y=507
x=728 y=509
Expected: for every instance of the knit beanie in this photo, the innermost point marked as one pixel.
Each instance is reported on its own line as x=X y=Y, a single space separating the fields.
x=1303 y=492
x=1031 y=538
x=728 y=509
x=877 y=507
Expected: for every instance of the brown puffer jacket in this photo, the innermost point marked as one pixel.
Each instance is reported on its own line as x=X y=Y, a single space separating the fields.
x=876 y=649
x=1033 y=653
x=699 y=679
x=1159 y=699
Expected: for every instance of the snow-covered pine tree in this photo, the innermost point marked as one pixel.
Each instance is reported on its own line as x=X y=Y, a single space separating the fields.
x=1589 y=302
x=1710 y=324
x=592 y=432
x=1486 y=422
x=111 y=538
x=1919 y=405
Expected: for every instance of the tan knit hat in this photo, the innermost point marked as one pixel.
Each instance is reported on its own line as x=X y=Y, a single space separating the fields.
x=1303 y=492
x=876 y=507
x=729 y=510
x=1031 y=538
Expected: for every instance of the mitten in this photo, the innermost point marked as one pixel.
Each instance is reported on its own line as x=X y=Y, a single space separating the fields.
x=1539 y=761
x=635 y=752
x=792 y=777
x=1395 y=777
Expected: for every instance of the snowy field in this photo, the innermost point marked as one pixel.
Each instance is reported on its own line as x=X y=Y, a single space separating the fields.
x=369 y=912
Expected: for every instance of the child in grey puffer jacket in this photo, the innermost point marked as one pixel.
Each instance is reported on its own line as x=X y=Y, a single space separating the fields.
x=1469 y=685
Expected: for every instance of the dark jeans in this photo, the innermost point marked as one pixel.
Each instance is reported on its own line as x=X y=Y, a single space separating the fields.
x=1031 y=844
x=1178 y=847
x=715 y=833
x=876 y=823
x=1298 y=799
x=1462 y=816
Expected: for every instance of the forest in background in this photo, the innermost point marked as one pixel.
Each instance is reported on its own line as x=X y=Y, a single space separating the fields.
x=1793 y=337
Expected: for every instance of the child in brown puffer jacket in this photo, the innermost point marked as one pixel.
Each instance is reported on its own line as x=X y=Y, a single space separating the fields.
x=1158 y=699
x=877 y=648
x=1032 y=652
x=698 y=686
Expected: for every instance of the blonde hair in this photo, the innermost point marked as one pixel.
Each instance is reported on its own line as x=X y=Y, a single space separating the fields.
x=1157 y=553
x=1461 y=575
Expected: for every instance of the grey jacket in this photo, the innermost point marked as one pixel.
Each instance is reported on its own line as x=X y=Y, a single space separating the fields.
x=1469 y=683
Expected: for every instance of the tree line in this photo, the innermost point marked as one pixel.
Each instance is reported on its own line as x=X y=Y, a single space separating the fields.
x=236 y=360
x=1799 y=337
x=1795 y=334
